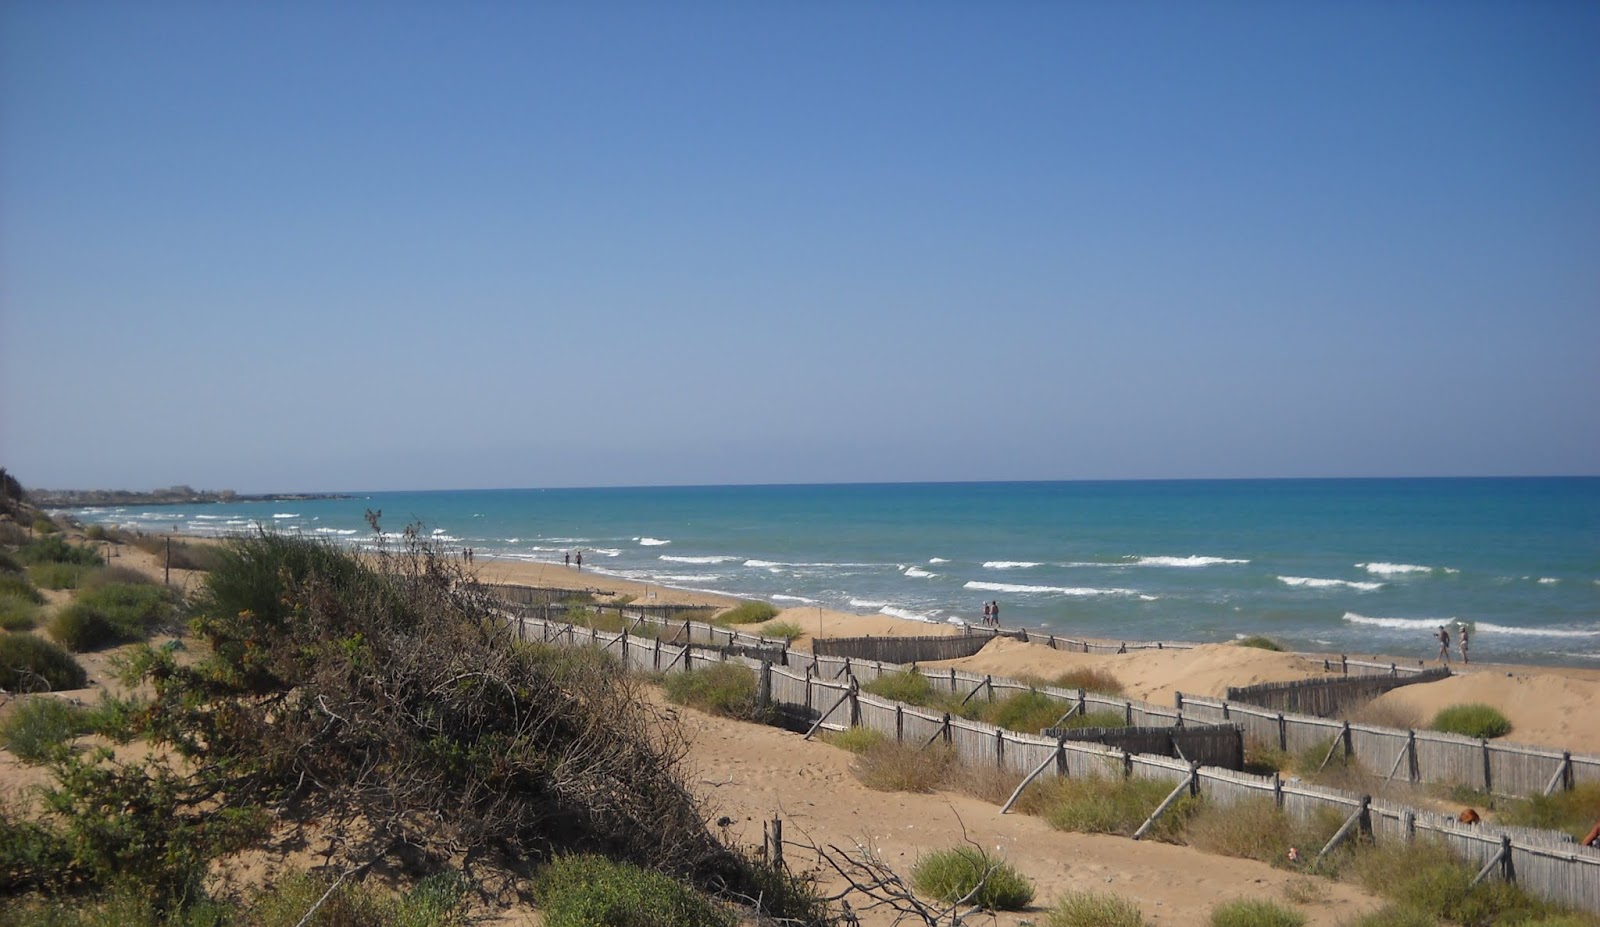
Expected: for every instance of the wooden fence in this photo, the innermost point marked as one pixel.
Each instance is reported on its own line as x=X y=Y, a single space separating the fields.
x=1545 y=864
x=900 y=650
x=1326 y=697
x=1220 y=745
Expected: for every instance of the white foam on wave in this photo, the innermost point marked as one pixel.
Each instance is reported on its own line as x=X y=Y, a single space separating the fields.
x=438 y=531
x=672 y=559
x=793 y=598
x=208 y=517
x=1193 y=561
x=906 y=614
x=340 y=531
x=605 y=551
x=867 y=603
x=1057 y=590
x=762 y=563
x=1394 y=569
x=653 y=542
x=919 y=573
x=1481 y=627
x=686 y=577
x=1310 y=582
x=1008 y=564
x=1549 y=580
x=286 y=515
x=937 y=560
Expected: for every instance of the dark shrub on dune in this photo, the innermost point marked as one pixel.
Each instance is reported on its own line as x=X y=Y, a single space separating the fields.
x=33 y=664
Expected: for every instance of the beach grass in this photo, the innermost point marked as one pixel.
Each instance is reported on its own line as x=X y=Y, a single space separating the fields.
x=590 y=891
x=1255 y=912
x=42 y=725
x=1106 y=805
x=17 y=613
x=1572 y=811
x=726 y=689
x=787 y=631
x=1089 y=679
x=1471 y=719
x=971 y=876
x=32 y=664
x=855 y=739
x=1094 y=909
x=895 y=767
x=747 y=613
x=1259 y=642
x=112 y=614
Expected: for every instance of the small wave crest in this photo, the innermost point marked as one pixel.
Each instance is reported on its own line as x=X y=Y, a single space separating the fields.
x=1194 y=561
x=713 y=559
x=792 y=598
x=286 y=515
x=1394 y=569
x=905 y=613
x=1310 y=582
x=1024 y=589
x=1482 y=627
x=867 y=603
x=919 y=573
x=652 y=542
x=1008 y=564
x=937 y=560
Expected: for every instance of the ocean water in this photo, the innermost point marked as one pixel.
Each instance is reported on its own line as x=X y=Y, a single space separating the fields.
x=1356 y=566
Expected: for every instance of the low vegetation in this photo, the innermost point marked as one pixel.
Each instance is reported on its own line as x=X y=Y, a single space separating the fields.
x=56 y=549
x=896 y=767
x=593 y=891
x=1571 y=811
x=184 y=555
x=726 y=689
x=1472 y=719
x=787 y=631
x=747 y=613
x=41 y=725
x=1094 y=909
x=33 y=664
x=855 y=739
x=58 y=575
x=1259 y=642
x=1257 y=829
x=1089 y=679
x=1247 y=912
x=1107 y=805
x=17 y=613
x=971 y=876
x=1426 y=879
x=114 y=613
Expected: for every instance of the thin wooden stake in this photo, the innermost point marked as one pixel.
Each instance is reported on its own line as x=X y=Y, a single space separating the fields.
x=825 y=714
x=1165 y=804
x=1032 y=776
x=1344 y=829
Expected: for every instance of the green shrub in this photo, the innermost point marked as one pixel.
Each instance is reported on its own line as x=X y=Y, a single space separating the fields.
x=748 y=613
x=1259 y=642
x=1094 y=909
x=908 y=686
x=855 y=739
x=112 y=614
x=436 y=901
x=787 y=630
x=17 y=613
x=16 y=584
x=116 y=575
x=96 y=533
x=1103 y=805
x=1025 y=712
x=1395 y=916
x=1473 y=719
x=41 y=725
x=726 y=689
x=1246 y=912
x=33 y=664
x=592 y=891
x=44 y=526
x=8 y=563
x=1572 y=811
x=55 y=549
x=610 y=622
x=971 y=876
x=1089 y=679
x=58 y=575
x=1425 y=876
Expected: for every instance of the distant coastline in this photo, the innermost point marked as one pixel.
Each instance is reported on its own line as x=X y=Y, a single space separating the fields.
x=172 y=495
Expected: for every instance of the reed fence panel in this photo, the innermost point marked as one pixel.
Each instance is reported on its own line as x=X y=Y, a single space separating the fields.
x=920 y=649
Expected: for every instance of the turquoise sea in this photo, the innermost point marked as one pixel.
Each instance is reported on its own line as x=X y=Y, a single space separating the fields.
x=1360 y=566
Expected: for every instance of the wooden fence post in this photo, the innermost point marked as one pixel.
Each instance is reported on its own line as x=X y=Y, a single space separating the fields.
x=899 y=723
x=1563 y=774
x=1408 y=823
x=1283 y=733
x=1413 y=768
x=1277 y=789
x=763 y=689
x=1488 y=772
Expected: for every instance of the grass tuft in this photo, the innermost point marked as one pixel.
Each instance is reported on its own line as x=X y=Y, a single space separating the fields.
x=894 y=767
x=17 y=613
x=42 y=726
x=971 y=876
x=112 y=614
x=1089 y=679
x=908 y=686
x=1102 y=805
x=1094 y=909
x=1259 y=642
x=856 y=739
x=1247 y=912
x=748 y=613
x=1571 y=811
x=788 y=631
x=33 y=664
x=726 y=689
x=1473 y=719
x=592 y=891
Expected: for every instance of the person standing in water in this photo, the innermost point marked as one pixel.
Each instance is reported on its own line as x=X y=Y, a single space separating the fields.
x=1444 y=645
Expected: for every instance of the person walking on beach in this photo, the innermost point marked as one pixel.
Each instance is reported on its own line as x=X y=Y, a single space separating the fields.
x=994 y=612
x=1444 y=645
x=986 y=614
x=580 y=561
x=566 y=558
x=1462 y=630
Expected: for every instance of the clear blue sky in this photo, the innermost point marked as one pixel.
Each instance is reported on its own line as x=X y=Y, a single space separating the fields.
x=363 y=245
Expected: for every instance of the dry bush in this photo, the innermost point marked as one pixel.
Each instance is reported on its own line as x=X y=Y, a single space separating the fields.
x=893 y=767
x=1257 y=829
x=1381 y=712
x=1090 y=679
x=985 y=783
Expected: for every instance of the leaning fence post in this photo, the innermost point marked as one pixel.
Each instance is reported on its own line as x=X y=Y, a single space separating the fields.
x=1186 y=785
x=1563 y=774
x=1359 y=815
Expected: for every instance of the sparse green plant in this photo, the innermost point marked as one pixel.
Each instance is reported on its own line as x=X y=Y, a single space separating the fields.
x=596 y=618
x=1105 y=805
x=1395 y=916
x=1306 y=890
x=748 y=613
x=111 y=614
x=16 y=584
x=1572 y=811
x=116 y=576
x=855 y=739
x=58 y=575
x=1025 y=712
x=895 y=767
x=592 y=891
x=438 y=900
x=1089 y=679
x=1472 y=719
x=971 y=876
x=788 y=631
x=1095 y=909
x=17 y=613
x=1426 y=877
x=96 y=533
x=41 y=725
x=1259 y=642
x=56 y=549
x=726 y=689
x=1265 y=760
x=1255 y=828
x=908 y=686
x=9 y=564
x=33 y=664
x=44 y=526
x=1248 y=912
